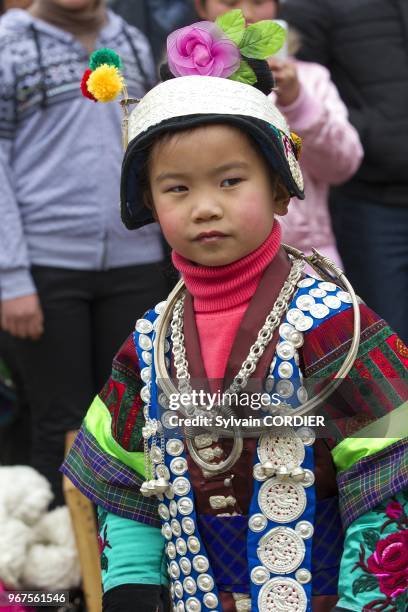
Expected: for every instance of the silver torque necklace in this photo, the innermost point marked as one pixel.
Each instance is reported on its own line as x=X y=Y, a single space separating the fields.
x=328 y=271
x=240 y=381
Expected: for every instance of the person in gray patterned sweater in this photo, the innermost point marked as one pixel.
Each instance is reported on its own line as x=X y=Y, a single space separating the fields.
x=72 y=279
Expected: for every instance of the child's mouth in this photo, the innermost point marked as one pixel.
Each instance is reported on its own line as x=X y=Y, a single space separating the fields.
x=208 y=237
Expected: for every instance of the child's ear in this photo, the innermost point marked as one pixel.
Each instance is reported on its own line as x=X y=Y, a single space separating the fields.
x=199 y=6
x=282 y=199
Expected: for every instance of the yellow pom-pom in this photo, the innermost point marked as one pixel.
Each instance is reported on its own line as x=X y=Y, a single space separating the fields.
x=297 y=141
x=105 y=83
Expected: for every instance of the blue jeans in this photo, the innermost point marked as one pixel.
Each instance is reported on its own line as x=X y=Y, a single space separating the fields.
x=373 y=243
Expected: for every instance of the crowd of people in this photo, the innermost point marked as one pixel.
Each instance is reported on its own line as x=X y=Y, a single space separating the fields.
x=73 y=279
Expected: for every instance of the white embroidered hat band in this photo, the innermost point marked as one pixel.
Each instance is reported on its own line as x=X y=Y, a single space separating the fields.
x=200 y=95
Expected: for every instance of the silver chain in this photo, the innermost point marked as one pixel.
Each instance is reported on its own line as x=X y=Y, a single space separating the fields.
x=257 y=349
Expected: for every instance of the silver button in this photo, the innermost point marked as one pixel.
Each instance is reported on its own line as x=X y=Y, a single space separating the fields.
x=180 y=606
x=164 y=512
x=185 y=565
x=285 y=388
x=327 y=286
x=181 y=486
x=332 y=301
x=319 y=311
x=306 y=282
x=293 y=315
x=166 y=422
x=163 y=401
x=147 y=357
x=145 y=342
x=344 y=296
x=174 y=447
x=159 y=308
x=200 y=563
x=305 y=302
x=181 y=546
x=146 y=374
x=189 y=585
x=205 y=582
x=259 y=473
x=178 y=589
x=143 y=326
x=187 y=524
x=174 y=570
x=285 y=330
x=257 y=522
x=210 y=600
x=285 y=350
x=193 y=605
x=145 y=394
x=302 y=395
x=169 y=493
x=307 y=435
x=166 y=531
x=285 y=369
x=304 y=529
x=171 y=550
x=318 y=293
x=309 y=479
x=303 y=576
x=185 y=506
x=260 y=575
x=296 y=338
x=193 y=544
x=178 y=466
x=175 y=527
x=304 y=323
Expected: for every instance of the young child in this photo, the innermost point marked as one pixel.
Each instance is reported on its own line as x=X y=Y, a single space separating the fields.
x=260 y=522
x=331 y=149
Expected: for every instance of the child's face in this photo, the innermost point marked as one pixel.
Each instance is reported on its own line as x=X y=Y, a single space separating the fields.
x=213 y=194
x=254 y=10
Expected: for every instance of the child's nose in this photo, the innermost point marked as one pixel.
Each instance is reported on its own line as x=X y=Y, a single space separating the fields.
x=206 y=209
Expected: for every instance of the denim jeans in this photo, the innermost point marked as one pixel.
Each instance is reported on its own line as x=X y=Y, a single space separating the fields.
x=373 y=243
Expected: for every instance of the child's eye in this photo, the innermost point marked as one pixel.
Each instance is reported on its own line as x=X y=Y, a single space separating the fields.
x=177 y=189
x=230 y=182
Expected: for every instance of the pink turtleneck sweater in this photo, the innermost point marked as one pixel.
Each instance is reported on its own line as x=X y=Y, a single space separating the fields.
x=221 y=295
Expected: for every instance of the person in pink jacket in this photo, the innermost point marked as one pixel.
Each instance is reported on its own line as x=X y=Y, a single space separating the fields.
x=331 y=151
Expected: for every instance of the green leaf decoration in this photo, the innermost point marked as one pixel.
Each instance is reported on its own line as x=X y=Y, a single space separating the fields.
x=233 y=25
x=401 y=602
x=262 y=39
x=105 y=56
x=244 y=74
x=104 y=562
x=364 y=583
x=380 y=509
x=371 y=538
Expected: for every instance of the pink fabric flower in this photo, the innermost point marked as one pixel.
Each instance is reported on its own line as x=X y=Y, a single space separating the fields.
x=389 y=563
x=394 y=510
x=203 y=49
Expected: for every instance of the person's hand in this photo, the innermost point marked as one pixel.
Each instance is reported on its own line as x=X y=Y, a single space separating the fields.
x=286 y=79
x=22 y=317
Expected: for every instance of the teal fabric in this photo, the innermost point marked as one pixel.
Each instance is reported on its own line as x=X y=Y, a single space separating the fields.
x=359 y=588
x=131 y=552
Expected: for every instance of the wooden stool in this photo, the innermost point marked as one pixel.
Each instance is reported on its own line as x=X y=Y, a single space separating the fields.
x=86 y=535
